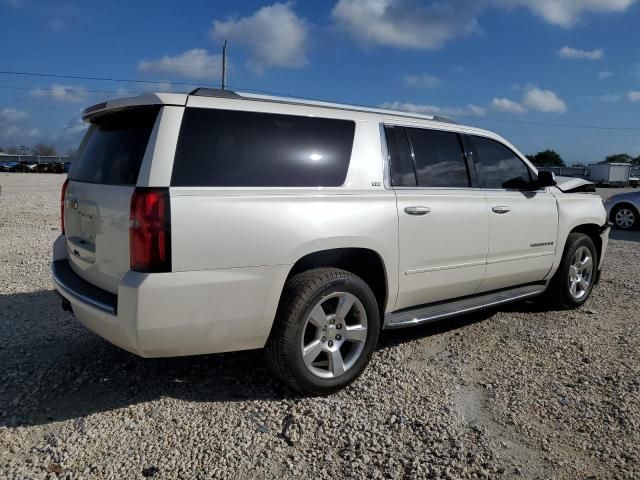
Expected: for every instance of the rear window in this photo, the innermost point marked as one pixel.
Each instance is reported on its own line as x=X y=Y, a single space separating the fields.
x=113 y=148
x=226 y=148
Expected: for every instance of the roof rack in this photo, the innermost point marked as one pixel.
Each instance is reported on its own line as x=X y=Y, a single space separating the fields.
x=215 y=92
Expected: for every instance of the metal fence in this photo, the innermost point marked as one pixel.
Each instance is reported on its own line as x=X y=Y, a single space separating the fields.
x=578 y=172
x=34 y=158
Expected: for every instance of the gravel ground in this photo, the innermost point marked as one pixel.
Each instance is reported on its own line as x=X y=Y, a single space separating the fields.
x=520 y=393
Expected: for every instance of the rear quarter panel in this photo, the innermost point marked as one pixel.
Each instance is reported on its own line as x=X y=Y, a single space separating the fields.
x=225 y=228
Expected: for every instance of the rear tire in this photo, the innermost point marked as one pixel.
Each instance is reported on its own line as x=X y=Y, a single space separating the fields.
x=572 y=284
x=325 y=331
x=625 y=216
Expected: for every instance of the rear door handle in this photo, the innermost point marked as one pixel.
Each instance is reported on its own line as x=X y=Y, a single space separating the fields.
x=501 y=209
x=417 y=210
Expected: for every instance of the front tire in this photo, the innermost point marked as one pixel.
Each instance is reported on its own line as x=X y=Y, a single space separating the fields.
x=325 y=331
x=572 y=284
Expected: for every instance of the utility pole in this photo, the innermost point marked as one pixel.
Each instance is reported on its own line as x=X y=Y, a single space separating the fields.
x=224 y=64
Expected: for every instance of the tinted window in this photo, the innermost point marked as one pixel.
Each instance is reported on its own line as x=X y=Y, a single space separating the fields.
x=113 y=147
x=439 y=158
x=497 y=165
x=226 y=148
x=402 y=171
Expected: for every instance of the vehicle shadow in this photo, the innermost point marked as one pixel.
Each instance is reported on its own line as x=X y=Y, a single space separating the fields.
x=625 y=235
x=392 y=338
x=53 y=369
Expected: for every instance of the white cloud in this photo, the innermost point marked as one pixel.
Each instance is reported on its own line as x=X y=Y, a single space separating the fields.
x=11 y=115
x=566 y=13
x=429 y=24
x=506 y=105
x=60 y=93
x=15 y=3
x=609 y=98
x=196 y=63
x=634 y=96
x=544 y=101
x=71 y=134
x=573 y=53
x=274 y=35
x=11 y=128
x=533 y=98
x=405 y=23
x=604 y=75
x=469 y=110
x=421 y=81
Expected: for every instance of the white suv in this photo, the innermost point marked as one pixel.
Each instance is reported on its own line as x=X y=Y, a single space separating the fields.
x=218 y=221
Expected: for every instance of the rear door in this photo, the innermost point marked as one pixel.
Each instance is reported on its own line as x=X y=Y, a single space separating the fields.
x=102 y=178
x=443 y=224
x=523 y=223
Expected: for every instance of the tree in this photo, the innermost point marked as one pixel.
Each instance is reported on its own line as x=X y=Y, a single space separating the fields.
x=619 y=158
x=546 y=158
x=12 y=150
x=44 y=149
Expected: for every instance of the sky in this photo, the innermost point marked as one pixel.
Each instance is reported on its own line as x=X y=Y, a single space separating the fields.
x=559 y=74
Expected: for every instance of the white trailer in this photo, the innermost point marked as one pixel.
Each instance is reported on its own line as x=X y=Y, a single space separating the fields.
x=610 y=174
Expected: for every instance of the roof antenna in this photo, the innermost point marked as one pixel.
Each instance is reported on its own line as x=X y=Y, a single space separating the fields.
x=224 y=64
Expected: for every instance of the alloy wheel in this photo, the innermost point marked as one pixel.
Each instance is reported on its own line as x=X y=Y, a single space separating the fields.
x=580 y=273
x=334 y=335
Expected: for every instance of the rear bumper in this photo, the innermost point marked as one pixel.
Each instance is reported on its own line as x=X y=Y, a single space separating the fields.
x=66 y=280
x=179 y=313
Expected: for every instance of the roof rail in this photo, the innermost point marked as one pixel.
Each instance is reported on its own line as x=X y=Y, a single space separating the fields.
x=438 y=118
x=214 y=92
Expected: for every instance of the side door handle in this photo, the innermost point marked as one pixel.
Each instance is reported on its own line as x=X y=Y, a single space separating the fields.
x=501 y=209
x=417 y=210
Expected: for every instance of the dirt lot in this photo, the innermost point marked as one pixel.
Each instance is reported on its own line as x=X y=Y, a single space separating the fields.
x=519 y=393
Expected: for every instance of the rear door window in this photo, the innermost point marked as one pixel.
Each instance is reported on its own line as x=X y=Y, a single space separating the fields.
x=402 y=171
x=112 y=150
x=439 y=159
x=228 y=148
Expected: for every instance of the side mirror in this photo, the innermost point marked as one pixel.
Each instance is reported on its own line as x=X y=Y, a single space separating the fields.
x=546 y=179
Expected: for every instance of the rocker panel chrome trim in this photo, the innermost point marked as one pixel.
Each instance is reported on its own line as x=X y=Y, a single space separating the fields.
x=431 y=313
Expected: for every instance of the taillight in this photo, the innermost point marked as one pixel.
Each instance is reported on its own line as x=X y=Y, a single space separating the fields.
x=63 y=194
x=150 y=230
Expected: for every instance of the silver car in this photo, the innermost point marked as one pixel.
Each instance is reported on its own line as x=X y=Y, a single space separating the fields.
x=623 y=208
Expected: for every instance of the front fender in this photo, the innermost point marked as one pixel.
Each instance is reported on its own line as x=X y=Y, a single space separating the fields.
x=576 y=211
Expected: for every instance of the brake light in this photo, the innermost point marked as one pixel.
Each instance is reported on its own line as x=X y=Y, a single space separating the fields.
x=150 y=230
x=63 y=194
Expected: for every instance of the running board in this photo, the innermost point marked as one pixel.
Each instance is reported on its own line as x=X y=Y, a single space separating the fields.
x=439 y=311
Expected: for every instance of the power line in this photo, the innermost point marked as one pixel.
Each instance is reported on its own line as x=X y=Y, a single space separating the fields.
x=68 y=89
x=191 y=84
x=102 y=79
x=544 y=124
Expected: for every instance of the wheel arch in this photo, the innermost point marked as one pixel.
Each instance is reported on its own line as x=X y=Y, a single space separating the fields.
x=363 y=262
x=592 y=231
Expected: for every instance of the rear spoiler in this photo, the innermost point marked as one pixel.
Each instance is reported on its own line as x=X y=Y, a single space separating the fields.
x=178 y=99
